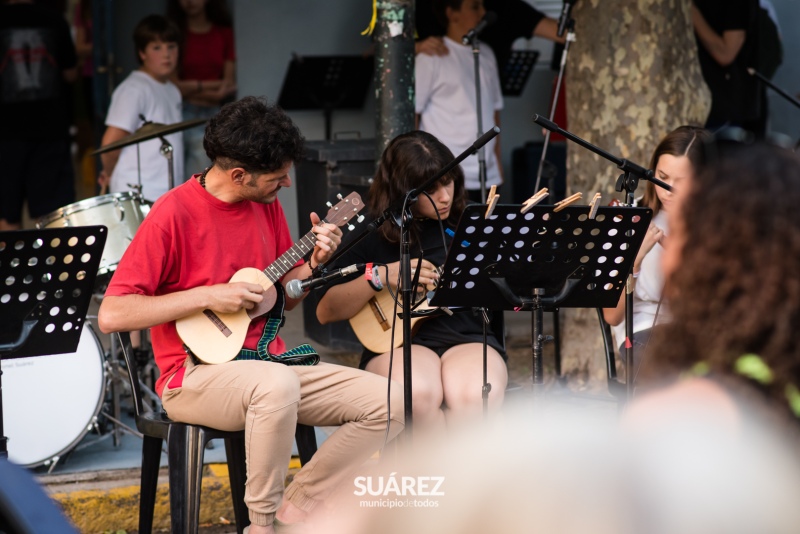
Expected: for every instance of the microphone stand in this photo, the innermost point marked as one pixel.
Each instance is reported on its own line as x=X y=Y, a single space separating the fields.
x=400 y=214
x=476 y=56
x=564 y=53
x=627 y=181
x=789 y=98
x=768 y=83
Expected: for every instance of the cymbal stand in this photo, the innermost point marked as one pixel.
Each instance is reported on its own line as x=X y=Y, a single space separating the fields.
x=167 y=152
x=564 y=54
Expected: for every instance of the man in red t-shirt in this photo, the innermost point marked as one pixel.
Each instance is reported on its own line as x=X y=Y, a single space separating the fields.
x=180 y=262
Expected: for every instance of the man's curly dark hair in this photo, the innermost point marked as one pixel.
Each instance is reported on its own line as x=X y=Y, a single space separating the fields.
x=737 y=288
x=254 y=135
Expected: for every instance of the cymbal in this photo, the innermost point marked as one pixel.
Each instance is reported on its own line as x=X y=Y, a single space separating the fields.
x=149 y=131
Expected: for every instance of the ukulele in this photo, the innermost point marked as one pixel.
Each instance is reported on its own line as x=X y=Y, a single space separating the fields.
x=216 y=337
x=373 y=322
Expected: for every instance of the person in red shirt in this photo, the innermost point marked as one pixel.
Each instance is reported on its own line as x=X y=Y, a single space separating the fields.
x=179 y=264
x=206 y=75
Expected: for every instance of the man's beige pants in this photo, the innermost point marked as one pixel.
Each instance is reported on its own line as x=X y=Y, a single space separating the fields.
x=267 y=400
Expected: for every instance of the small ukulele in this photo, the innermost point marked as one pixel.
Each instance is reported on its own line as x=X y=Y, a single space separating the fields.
x=216 y=337
x=373 y=323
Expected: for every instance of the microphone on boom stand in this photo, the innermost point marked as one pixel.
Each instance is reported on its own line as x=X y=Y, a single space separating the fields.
x=296 y=288
x=564 y=17
x=489 y=18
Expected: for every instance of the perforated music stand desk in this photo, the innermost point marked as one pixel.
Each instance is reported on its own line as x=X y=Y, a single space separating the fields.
x=46 y=283
x=541 y=260
x=326 y=83
x=515 y=73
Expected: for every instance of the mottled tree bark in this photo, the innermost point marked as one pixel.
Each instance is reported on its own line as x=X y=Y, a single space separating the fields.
x=394 y=69
x=633 y=75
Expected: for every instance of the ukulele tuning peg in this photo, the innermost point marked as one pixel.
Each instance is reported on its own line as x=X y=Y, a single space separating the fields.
x=360 y=218
x=350 y=227
x=329 y=204
x=339 y=196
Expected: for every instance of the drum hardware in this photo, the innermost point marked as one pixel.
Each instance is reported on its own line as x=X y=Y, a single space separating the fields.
x=136 y=188
x=151 y=130
x=119 y=385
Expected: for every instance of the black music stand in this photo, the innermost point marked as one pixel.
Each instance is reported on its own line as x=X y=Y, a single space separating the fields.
x=541 y=260
x=515 y=73
x=326 y=83
x=46 y=284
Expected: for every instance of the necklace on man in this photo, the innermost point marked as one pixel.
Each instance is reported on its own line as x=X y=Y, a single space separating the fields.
x=202 y=178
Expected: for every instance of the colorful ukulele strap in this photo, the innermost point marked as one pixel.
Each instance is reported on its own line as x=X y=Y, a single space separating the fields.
x=301 y=355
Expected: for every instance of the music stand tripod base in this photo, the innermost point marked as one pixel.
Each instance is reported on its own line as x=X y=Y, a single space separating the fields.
x=541 y=260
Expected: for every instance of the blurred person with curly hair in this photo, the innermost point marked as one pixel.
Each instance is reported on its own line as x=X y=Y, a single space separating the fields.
x=731 y=264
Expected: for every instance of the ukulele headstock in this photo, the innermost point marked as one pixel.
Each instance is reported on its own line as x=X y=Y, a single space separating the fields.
x=346 y=210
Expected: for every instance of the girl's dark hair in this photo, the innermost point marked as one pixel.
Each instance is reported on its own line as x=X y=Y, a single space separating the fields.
x=683 y=141
x=737 y=289
x=439 y=8
x=217 y=13
x=254 y=135
x=154 y=28
x=408 y=161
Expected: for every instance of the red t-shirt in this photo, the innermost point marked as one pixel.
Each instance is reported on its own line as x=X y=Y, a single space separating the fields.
x=189 y=239
x=205 y=54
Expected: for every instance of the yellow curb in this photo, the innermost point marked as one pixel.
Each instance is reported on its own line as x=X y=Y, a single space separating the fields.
x=103 y=510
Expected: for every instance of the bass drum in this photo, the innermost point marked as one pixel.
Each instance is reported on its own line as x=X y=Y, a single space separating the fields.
x=51 y=402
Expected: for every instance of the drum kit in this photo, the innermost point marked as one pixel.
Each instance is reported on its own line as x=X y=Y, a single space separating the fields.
x=90 y=380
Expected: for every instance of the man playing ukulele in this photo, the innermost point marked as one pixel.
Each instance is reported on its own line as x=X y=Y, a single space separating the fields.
x=194 y=239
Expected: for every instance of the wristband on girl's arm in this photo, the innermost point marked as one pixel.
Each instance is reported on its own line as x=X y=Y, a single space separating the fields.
x=372 y=276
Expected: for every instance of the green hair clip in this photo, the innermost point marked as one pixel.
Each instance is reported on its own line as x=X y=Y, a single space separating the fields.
x=754 y=368
x=793 y=396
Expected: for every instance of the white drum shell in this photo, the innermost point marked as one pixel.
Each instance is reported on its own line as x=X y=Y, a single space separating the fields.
x=50 y=402
x=122 y=213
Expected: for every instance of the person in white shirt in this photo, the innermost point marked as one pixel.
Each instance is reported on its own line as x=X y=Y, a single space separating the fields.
x=149 y=93
x=446 y=103
x=675 y=161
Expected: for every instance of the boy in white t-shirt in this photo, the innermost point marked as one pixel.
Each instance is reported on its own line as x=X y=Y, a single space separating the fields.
x=147 y=93
x=445 y=93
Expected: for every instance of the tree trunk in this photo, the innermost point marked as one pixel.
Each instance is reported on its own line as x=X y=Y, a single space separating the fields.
x=633 y=76
x=394 y=70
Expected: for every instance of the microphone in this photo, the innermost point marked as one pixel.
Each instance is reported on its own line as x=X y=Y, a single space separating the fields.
x=546 y=123
x=295 y=288
x=487 y=19
x=564 y=18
